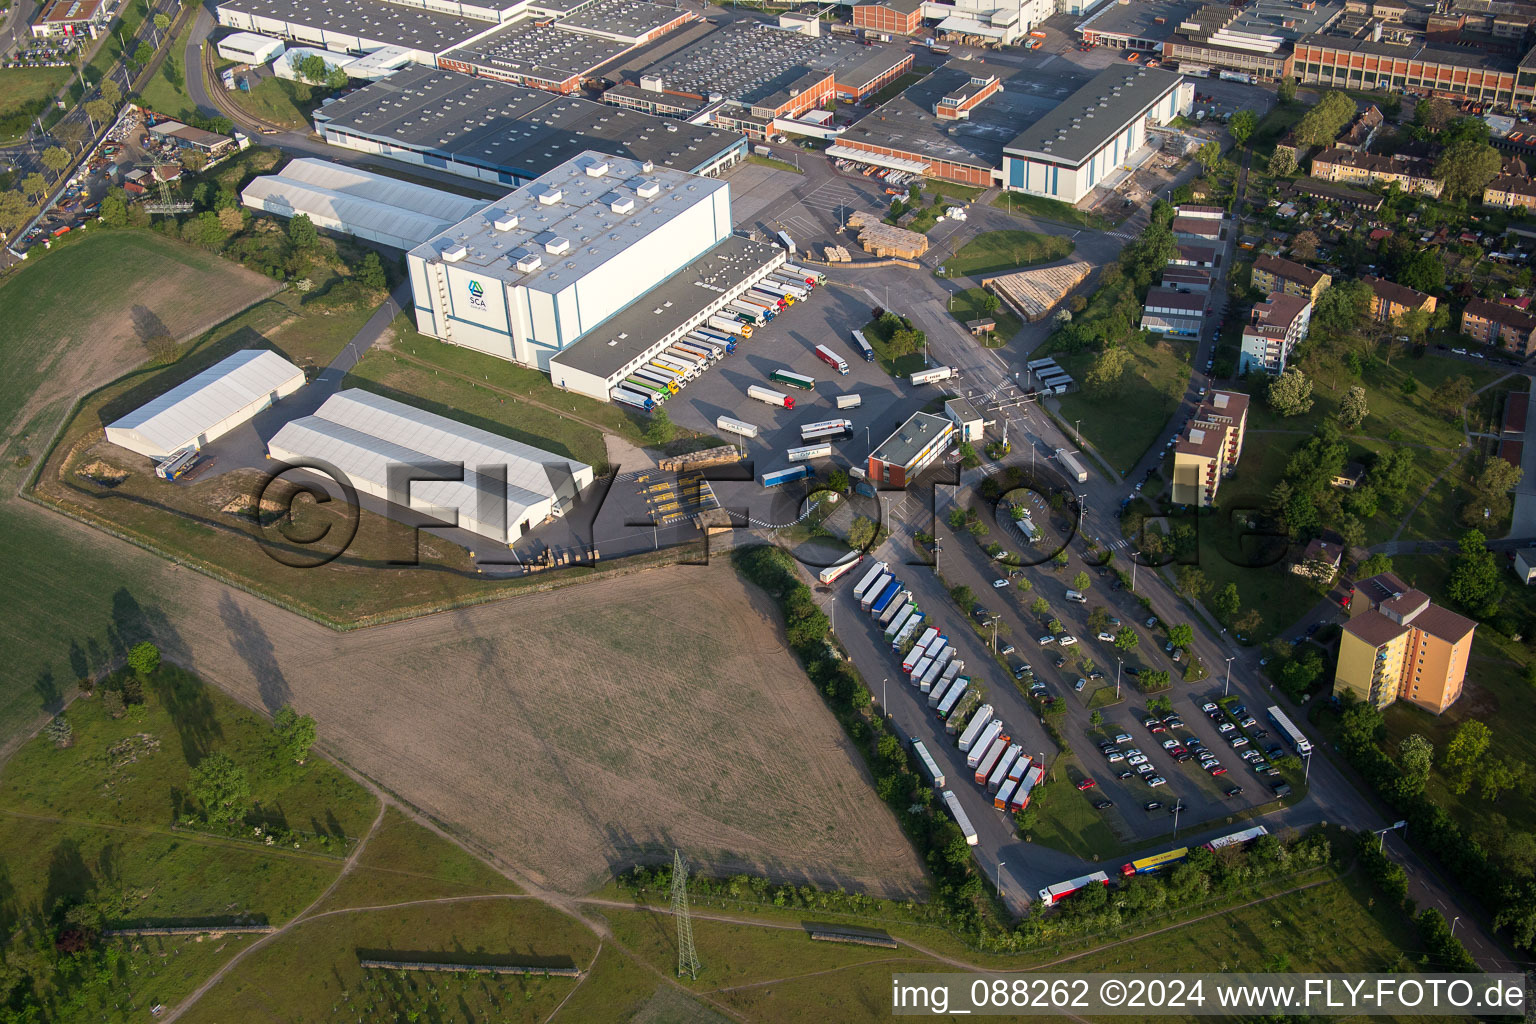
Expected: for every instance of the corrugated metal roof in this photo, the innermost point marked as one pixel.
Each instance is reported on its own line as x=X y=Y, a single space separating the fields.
x=363 y=434
x=176 y=418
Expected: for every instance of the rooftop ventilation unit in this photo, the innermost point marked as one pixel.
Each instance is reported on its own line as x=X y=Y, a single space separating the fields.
x=549 y=197
x=648 y=189
x=505 y=222
x=526 y=262
x=557 y=246
x=597 y=170
x=454 y=253
x=619 y=203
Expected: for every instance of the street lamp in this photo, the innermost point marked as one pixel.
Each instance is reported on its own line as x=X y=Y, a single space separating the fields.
x=1228 y=684
x=1453 y=924
x=1178 y=805
x=1307 y=773
x=995 y=619
x=883 y=706
x=1119 y=664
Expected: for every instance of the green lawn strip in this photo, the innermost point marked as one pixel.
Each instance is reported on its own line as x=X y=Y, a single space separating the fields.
x=166 y=91
x=1122 y=430
x=615 y=991
x=967 y=305
x=1068 y=820
x=1438 y=515
x=1272 y=128
x=314 y=972
x=26 y=93
x=406 y=861
x=896 y=88
x=105 y=777
x=776 y=164
x=280 y=100
x=1049 y=209
x=952 y=190
x=999 y=251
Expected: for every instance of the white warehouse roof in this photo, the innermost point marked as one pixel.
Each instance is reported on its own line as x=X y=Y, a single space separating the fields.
x=372 y=206
x=249 y=45
x=363 y=435
x=194 y=412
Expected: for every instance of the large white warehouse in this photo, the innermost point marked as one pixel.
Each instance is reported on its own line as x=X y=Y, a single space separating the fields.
x=508 y=488
x=1072 y=149
x=530 y=275
x=250 y=48
x=370 y=206
x=212 y=403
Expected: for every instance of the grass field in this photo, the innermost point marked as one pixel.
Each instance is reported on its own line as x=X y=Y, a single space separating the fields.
x=1049 y=209
x=997 y=251
x=166 y=91
x=133 y=14
x=896 y=366
x=778 y=165
x=403 y=862
x=280 y=101
x=967 y=305
x=1068 y=820
x=25 y=93
x=1155 y=383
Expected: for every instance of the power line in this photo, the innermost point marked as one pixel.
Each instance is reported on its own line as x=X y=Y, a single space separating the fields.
x=687 y=959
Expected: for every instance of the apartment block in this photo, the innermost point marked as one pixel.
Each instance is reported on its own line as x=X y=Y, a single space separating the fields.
x=1273 y=274
x=1358 y=168
x=1276 y=326
x=1389 y=300
x=1510 y=191
x=1209 y=450
x=1399 y=645
x=1494 y=323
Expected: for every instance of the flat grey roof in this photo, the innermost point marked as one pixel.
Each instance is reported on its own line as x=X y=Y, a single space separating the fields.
x=1417 y=48
x=907 y=123
x=629 y=18
x=531 y=50
x=1084 y=121
x=407 y=26
x=1142 y=19
x=665 y=308
x=510 y=128
x=910 y=438
x=752 y=61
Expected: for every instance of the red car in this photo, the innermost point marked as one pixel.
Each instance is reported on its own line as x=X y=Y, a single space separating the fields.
x=1086 y=784
x=1218 y=770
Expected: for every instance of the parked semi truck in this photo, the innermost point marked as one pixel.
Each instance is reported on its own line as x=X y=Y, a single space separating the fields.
x=1074 y=468
x=952 y=697
x=624 y=396
x=993 y=754
x=841 y=568
x=913 y=625
x=953 y=803
x=982 y=743
x=778 y=477
x=734 y=426
x=832 y=359
x=869 y=596
x=849 y=401
x=1003 y=767
x=868 y=579
x=730 y=325
x=978 y=725
x=862 y=344
x=932 y=375
x=806 y=453
x=770 y=396
x=930 y=766
x=793 y=380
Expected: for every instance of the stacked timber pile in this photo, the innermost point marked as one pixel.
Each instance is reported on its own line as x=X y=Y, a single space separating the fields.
x=722 y=456
x=837 y=254
x=1033 y=293
x=885 y=240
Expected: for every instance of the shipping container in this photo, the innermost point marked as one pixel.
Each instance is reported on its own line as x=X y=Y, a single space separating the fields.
x=919 y=669
x=1074 y=468
x=980 y=743
x=832 y=359
x=978 y=725
x=730 y=325
x=640 y=384
x=776 y=301
x=1004 y=794
x=1021 y=793
x=863 y=346
x=994 y=753
x=929 y=676
x=849 y=401
x=950 y=671
x=810 y=277
x=937 y=693
x=914 y=623
x=953 y=803
x=809 y=452
x=844 y=565
x=897 y=624
x=886 y=596
x=793 y=380
x=894 y=609
x=952 y=696
x=783 y=476
x=774 y=288
x=1003 y=767
x=770 y=396
x=930 y=766
x=929 y=636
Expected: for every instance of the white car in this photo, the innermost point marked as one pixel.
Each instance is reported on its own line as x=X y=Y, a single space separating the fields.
x=1157 y=780
x=1169 y=744
x=1137 y=759
x=1146 y=769
x=1106 y=636
x=1208 y=707
x=999 y=584
x=1068 y=640
x=1116 y=756
x=1132 y=751
x=1046 y=640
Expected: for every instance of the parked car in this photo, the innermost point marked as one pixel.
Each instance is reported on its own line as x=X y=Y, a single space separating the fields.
x=1106 y=636
x=1061 y=662
x=1047 y=639
x=1234 y=791
x=1007 y=648
x=1078 y=686
x=1208 y=707
x=1138 y=759
x=1086 y=785
x=999 y=584
x=1103 y=805
x=1123 y=737
x=1152 y=805
x=1068 y=640
x=1152 y=622
x=1157 y=780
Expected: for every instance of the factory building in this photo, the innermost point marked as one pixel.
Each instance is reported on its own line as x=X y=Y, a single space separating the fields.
x=529 y=275
x=208 y=405
x=250 y=48
x=505 y=488
x=502 y=133
x=358 y=26
x=1094 y=132
x=360 y=203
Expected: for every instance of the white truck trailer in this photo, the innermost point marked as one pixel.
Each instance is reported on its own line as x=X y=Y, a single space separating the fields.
x=978 y=724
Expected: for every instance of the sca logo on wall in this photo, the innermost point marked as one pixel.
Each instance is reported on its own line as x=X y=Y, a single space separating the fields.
x=476 y=295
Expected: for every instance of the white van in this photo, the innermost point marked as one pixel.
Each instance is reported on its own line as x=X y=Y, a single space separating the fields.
x=1073 y=595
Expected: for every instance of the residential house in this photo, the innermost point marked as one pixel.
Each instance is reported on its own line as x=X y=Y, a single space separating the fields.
x=1209 y=450
x=1494 y=323
x=1389 y=300
x=1320 y=561
x=1398 y=645
x=1173 y=312
x=1273 y=274
x=1351 y=478
x=1525 y=565
x=1191 y=255
x=1509 y=192
x=1196 y=229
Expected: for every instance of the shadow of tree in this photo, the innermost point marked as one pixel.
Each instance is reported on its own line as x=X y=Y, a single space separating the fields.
x=255 y=648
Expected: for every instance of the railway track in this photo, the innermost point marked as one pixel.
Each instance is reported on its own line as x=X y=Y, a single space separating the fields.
x=240 y=116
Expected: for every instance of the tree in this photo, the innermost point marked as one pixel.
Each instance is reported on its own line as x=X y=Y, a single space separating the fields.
x=231 y=220
x=162 y=22
x=113 y=704
x=1422 y=270
x=1107 y=374
x=660 y=430
x=14 y=210
x=1209 y=156
x=1126 y=639
x=1096 y=719
x=221 y=786
x=1282 y=163
x=35 y=186
x=1451 y=395
x=56 y=159
x=1040 y=606
x=204 y=230
x=60 y=731
x=1286 y=91
x=990 y=303
x=99 y=111
x=1342 y=307
x=1227 y=603
x=1322 y=124
x=370 y=273
x=1415 y=756
x=1304 y=246
x=1474 y=581
x=194 y=159
x=838 y=481
x=1463 y=754
x=1081 y=582
x=1290 y=394
x=1181 y=634
x=302 y=235
x=862 y=533
x=1242 y=125
x=1352 y=408
x=1433 y=115
x=1192 y=581
x=144 y=658
x=1495 y=775
x=143 y=54
x=1466 y=167
x=161 y=348
x=295 y=733
x=1375 y=565
x=114 y=208
x=110 y=91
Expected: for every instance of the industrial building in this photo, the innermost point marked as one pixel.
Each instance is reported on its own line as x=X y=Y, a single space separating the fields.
x=911 y=449
x=73 y=18
x=358 y=26
x=1398 y=645
x=631 y=22
x=208 y=405
x=1368 y=55
x=1257 y=39
x=529 y=275
x=600 y=360
x=1094 y=132
x=493 y=131
x=1169 y=311
x=360 y=203
x=505 y=489
x=534 y=54
x=250 y=48
x=1142 y=25
x=1209 y=450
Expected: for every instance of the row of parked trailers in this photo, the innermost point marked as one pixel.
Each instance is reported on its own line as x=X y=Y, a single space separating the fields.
x=670 y=370
x=1051 y=895
x=934 y=668
x=1053 y=379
